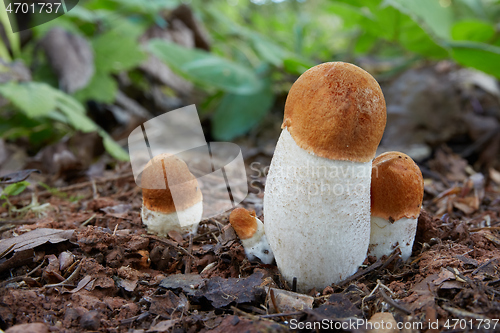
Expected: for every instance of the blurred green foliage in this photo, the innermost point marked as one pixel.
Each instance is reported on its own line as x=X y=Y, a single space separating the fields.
x=258 y=49
x=13 y=189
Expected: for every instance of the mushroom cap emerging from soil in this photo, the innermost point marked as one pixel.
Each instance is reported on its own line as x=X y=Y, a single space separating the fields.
x=250 y=230
x=172 y=199
x=397 y=190
x=317 y=199
x=336 y=110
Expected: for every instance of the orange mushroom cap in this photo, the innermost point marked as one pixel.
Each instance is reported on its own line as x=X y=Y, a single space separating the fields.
x=397 y=187
x=156 y=192
x=243 y=222
x=336 y=110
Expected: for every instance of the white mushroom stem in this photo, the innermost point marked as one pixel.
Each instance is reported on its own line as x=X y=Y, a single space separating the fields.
x=185 y=221
x=385 y=236
x=317 y=214
x=257 y=246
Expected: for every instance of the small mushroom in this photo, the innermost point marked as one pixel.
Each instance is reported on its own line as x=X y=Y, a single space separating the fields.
x=317 y=195
x=172 y=199
x=397 y=191
x=250 y=230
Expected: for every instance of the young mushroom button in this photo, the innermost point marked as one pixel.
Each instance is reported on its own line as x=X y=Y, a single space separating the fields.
x=250 y=230
x=317 y=196
x=172 y=199
x=397 y=191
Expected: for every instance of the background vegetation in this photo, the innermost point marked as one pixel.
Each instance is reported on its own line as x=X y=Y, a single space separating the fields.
x=257 y=49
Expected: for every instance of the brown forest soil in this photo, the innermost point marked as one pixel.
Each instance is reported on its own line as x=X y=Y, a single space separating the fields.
x=113 y=273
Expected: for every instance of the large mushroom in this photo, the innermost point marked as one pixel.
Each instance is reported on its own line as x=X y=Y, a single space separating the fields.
x=172 y=199
x=397 y=191
x=317 y=196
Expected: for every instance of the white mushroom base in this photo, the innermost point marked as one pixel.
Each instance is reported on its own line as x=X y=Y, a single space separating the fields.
x=317 y=215
x=257 y=246
x=185 y=221
x=386 y=236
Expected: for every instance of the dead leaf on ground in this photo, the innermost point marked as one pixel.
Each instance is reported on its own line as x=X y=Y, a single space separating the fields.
x=66 y=259
x=18 y=259
x=340 y=306
x=128 y=285
x=35 y=238
x=241 y=324
x=444 y=275
x=82 y=284
x=17 y=177
x=176 y=236
x=222 y=292
x=450 y=165
x=163 y=326
x=219 y=291
x=188 y=283
x=288 y=301
x=467 y=260
x=165 y=305
x=424 y=292
x=492 y=238
x=118 y=211
x=495 y=176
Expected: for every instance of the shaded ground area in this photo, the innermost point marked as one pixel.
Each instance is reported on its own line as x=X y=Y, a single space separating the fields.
x=94 y=267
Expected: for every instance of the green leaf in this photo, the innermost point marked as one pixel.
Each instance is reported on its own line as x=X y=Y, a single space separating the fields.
x=57 y=116
x=173 y=54
x=33 y=98
x=82 y=13
x=267 y=50
x=388 y=22
x=75 y=113
x=13 y=38
x=66 y=101
x=96 y=5
x=148 y=7
x=113 y=148
x=477 y=55
x=102 y=88
x=296 y=66
x=116 y=52
x=351 y=15
x=15 y=189
x=365 y=43
x=131 y=29
x=220 y=72
x=237 y=114
x=473 y=30
x=20 y=125
x=62 y=22
x=206 y=68
x=476 y=6
x=41 y=100
x=385 y=22
x=415 y=39
x=4 y=53
x=434 y=16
